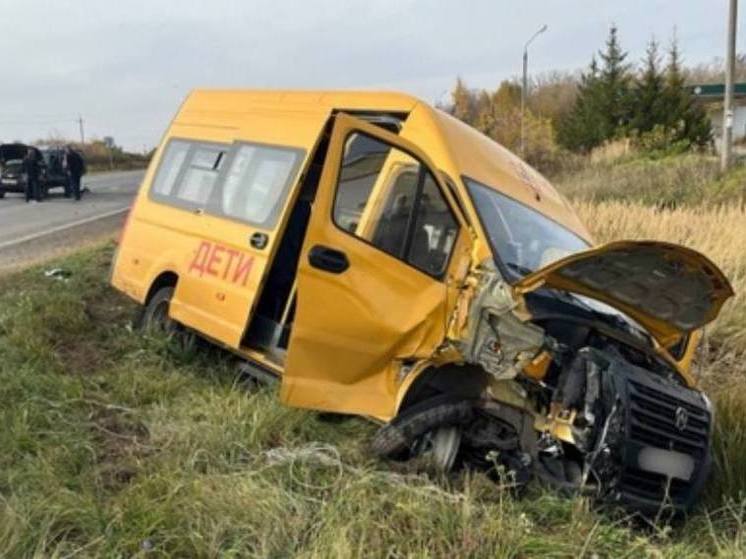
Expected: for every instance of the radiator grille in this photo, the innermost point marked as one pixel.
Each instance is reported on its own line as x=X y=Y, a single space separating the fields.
x=663 y=417
x=653 y=421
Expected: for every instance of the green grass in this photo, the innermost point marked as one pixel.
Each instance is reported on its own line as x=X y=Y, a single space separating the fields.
x=673 y=181
x=111 y=445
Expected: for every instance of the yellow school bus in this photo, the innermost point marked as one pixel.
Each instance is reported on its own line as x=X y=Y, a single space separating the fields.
x=380 y=258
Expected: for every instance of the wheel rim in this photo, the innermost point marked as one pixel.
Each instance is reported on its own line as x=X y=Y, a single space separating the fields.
x=439 y=447
x=446 y=442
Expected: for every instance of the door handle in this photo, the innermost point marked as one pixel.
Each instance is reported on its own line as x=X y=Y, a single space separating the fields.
x=328 y=259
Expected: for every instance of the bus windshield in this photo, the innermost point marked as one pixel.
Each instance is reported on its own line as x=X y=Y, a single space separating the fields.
x=522 y=239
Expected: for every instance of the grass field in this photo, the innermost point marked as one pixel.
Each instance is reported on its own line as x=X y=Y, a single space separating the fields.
x=675 y=181
x=113 y=445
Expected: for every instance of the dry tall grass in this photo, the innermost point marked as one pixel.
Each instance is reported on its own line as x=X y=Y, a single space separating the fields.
x=719 y=233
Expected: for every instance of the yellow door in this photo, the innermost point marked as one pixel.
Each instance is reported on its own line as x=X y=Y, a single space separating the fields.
x=235 y=194
x=245 y=188
x=372 y=292
x=241 y=231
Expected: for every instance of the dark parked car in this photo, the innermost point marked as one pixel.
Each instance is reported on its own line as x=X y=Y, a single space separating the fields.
x=12 y=179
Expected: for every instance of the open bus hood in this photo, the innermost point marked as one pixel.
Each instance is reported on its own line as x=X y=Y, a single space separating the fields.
x=669 y=289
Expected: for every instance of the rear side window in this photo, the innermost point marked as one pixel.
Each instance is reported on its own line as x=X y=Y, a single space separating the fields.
x=391 y=200
x=189 y=172
x=201 y=174
x=256 y=183
x=245 y=182
x=170 y=167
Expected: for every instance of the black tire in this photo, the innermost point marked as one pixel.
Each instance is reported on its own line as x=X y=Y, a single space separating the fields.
x=395 y=439
x=2 y=193
x=154 y=315
x=155 y=318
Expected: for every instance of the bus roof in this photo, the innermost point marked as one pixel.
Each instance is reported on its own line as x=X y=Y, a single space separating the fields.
x=471 y=153
x=238 y=99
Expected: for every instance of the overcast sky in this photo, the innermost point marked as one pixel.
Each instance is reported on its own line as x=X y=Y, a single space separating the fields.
x=125 y=65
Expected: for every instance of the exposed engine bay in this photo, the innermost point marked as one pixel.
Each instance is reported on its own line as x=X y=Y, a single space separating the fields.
x=575 y=397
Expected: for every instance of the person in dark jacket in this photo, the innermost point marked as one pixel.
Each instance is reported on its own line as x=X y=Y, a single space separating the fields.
x=32 y=170
x=75 y=168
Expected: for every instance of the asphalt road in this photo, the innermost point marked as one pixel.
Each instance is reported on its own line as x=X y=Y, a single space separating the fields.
x=32 y=232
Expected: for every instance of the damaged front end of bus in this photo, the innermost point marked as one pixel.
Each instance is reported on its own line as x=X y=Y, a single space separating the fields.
x=576 y=375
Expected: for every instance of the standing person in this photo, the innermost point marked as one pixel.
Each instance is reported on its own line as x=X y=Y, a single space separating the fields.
x=74 y=166
x=31 y=169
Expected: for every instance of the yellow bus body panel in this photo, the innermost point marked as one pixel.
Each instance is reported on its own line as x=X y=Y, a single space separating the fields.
x=160 y=239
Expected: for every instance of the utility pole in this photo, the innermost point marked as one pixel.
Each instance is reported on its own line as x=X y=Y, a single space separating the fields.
x=726 y=149
x=82 y=130
x=109 y=143
x=524 y=87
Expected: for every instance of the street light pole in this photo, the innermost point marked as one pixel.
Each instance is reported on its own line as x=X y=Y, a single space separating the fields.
x=726 y=149
x=524 y=87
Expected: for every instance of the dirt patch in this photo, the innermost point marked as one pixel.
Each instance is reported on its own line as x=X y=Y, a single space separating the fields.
x=115 y=476
x=122 y=441
x=109 y=307
x=84 y=357
x=106 y=310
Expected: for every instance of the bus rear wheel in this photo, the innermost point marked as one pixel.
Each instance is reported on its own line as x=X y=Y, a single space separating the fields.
x=155 y=318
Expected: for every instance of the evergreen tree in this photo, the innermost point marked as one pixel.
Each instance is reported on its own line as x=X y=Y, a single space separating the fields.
x=687 y=120
x=675 y=82
x=584 y=126
x=649 y=106
x=614 y=83
x=602 y=108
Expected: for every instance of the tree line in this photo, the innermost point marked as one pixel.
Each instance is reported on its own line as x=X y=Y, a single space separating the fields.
x=98 y=155
x=612 y=99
